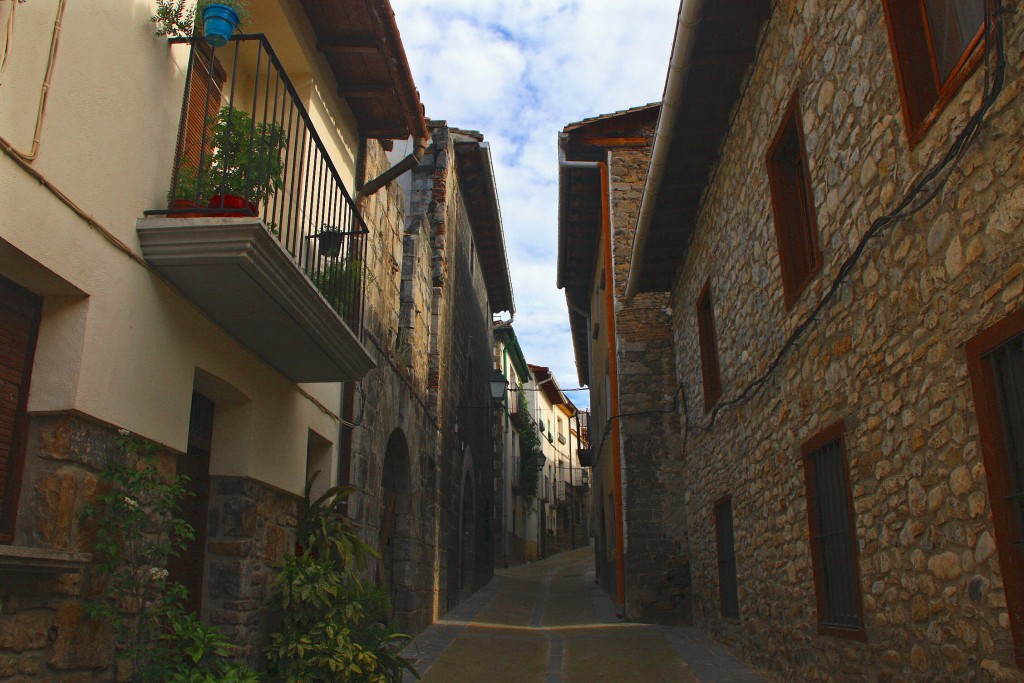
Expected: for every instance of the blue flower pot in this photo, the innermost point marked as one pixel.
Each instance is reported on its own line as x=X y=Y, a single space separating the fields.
x=219 y=22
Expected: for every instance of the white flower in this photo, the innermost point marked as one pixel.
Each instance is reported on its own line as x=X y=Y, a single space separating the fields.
x=123 y=432
x=131 y=502
x=157 y=574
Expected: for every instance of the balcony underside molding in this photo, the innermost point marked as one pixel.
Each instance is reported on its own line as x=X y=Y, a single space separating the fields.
x=238 y=273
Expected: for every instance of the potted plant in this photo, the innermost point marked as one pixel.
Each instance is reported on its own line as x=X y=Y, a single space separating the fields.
x=339 y=281
x=245 y=166
x=221 y=18
x=173 y=19
x=186 y=193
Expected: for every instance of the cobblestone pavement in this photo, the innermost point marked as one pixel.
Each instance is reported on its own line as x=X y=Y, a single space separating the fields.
x=548 y=622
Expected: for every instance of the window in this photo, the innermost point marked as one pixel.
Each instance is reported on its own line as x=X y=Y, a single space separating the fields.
x=995 y=361
x=19 y=326
x=708 y=348
x=934 y=48
x=833 y=537
x=793 y=205
x=727 y=591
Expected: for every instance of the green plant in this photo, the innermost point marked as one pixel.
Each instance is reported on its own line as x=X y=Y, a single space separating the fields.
x=172 y=19
x=135 y=533
x=189 y=186
x=246 y=159
x=339 y=282
x=324 y=531
x=531 y=456
x=333 y=626
x=241 y=8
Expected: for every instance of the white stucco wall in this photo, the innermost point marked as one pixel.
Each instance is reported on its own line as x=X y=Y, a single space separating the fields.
x=117 y=343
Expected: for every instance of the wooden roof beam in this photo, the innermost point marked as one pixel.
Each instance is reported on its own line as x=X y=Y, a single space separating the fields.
x=353 y=44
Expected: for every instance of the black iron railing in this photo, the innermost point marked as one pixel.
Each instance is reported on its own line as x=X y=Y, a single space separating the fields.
x=247 y=147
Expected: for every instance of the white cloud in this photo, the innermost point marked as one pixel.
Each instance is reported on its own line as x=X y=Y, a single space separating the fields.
x=519 y=71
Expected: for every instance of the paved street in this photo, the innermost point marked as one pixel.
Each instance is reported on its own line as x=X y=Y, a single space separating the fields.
x=548 y=622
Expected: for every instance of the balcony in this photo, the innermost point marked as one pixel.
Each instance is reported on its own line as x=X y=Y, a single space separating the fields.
x=260 y=231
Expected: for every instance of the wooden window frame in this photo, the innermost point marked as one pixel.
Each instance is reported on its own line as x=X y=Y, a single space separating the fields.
x=719 y=505
x=922 y=95
x=711 y=370
x=807 y=450
x=997 y=466
x=793 y=209
x=11 y=493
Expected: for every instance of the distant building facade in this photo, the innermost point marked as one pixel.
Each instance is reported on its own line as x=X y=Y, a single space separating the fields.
x=623 y=353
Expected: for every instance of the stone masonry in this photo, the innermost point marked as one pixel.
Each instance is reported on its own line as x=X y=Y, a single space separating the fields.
x=885 y=357
x=44 y=631
x=657 y=568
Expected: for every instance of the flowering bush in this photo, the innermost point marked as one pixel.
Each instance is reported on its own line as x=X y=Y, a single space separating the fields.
x=136 y=532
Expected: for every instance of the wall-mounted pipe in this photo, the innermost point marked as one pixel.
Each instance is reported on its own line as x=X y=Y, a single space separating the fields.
x=44 y=91
x=408 y=163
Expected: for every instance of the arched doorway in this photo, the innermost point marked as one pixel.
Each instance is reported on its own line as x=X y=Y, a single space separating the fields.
x=467 y=531
x=395 y=541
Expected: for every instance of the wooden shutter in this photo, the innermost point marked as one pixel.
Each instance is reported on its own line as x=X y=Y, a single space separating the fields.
x=202 y=102
x=19 y=327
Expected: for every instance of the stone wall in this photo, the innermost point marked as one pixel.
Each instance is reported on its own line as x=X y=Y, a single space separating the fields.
x=44 y=633
x=429 y=332
x=251 y=528
x=390 y=408
x=885 y=357
x=459 y=363
x=656 y=556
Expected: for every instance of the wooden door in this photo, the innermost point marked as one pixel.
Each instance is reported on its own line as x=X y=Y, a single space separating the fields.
x=188 y=569
x=19 y=326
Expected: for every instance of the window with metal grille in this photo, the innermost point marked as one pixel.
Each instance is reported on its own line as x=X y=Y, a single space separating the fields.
x=708 y=348
x=727 y=589
x=796 y=229
x=934 y=45
x=995 y=360
x=833 y=536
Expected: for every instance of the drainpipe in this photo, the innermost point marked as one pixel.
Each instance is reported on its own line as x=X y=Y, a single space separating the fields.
x=678 y=71
x=606 y=229
x=406 y=164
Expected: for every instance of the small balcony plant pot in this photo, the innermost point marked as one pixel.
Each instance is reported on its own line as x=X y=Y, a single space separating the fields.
x=178 y=206
x=230 y=201
x=329 y=243
x=219 y=23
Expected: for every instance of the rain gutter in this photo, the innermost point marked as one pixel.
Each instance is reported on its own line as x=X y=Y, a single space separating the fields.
x=678 y=72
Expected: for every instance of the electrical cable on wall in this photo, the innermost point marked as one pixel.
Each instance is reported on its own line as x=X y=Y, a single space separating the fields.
x=917 y=197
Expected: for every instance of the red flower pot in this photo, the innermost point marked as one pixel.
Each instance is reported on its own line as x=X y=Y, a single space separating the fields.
x=178 y=204
x=230 y=201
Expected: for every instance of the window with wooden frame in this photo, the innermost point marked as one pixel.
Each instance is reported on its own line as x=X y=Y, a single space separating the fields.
x=708 y=348
x=995 y=362
x=796 y=227
x=726 y=543
x=19 y=327
x=935 y=45
x=833 y=535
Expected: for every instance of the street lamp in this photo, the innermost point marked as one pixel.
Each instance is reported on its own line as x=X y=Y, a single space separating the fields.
x=499 y=385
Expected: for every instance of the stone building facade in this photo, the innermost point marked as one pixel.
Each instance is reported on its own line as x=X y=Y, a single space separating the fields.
x=875 y=362
x=623 y=352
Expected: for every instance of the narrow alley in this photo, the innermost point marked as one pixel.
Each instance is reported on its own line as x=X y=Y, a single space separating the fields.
x=548 y=622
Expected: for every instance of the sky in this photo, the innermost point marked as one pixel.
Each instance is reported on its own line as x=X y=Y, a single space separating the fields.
x=519 y=71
